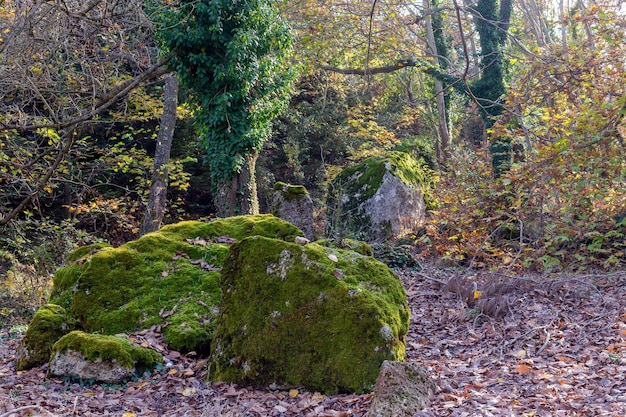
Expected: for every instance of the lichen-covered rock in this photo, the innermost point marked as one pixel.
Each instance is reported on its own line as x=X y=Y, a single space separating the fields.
x=293 y=203
x=380 y=198
x=309 y=316
x=101 y=358
x=402 y=389
x=169 y=277
x=49 y=324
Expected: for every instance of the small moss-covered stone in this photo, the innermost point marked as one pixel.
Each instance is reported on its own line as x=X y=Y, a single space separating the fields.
x=291 y=192
x=307 y=316
x=99 y=357
x=293 y=204
x=49 y=324
x=169 y=277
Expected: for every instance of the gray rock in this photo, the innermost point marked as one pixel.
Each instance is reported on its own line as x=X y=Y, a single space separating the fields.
x=379 y=199
x=74 y=364
x=293 y=204
x=102 y=358
x=402 y=389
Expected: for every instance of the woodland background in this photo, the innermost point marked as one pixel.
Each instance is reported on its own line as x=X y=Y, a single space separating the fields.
x=518 y=105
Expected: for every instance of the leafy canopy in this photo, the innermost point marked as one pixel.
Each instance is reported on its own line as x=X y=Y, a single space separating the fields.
x=233 y=56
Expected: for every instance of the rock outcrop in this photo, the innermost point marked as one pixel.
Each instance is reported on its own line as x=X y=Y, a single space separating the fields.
x=309 y=316
x=168 y=278
x=402 y=389
x=267 y=306
x=292 y=203
x=381 y=198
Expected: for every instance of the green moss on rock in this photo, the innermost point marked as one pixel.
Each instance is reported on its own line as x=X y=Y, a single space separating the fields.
x=85 y=251
x=169 y=277
x=49 y=324
x=350 y=204
x=66 y=278
x=357 y=246
x=238 y=227
x=308 y=316
x=95 y=347
x=291 y=192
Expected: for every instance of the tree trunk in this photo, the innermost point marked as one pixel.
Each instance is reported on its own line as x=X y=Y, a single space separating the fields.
x=238 y=195
x=158 y=191
x=444 y=134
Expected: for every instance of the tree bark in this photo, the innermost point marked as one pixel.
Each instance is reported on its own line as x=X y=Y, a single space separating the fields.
x=155 y=210
x=444 y=134
x=238 y=195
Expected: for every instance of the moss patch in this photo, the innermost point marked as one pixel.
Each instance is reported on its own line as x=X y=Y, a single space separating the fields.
x=238 y=227
x=108 y=348
x=348 y=244
x=169 y=277
x=349 y=191
x=307 y=315
x=290 y=192
x=49 y=324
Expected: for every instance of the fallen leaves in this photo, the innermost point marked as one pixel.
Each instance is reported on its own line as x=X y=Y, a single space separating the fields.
x=555 y=353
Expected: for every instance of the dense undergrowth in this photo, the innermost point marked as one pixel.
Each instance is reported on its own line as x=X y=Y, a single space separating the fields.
x=557 y=213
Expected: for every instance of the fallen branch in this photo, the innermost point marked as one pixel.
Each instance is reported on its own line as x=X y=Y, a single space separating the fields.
x=19 y=410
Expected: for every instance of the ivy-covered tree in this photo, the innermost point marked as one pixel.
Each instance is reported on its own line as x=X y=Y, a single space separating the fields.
x=233 y=56
x=492 y=24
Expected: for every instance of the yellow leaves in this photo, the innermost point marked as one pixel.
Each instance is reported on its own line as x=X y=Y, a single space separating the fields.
x=129 y=414
x=293 y=393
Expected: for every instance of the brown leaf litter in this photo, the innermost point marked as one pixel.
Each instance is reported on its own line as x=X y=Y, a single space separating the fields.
x=494 y=345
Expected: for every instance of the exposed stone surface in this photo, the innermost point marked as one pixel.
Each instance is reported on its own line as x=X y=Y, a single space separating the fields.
x=49 y=324
x=74 y=364
x=101 y=358
x=292 y=203
x=381 y=198
x=402 y=389
x=309 y=316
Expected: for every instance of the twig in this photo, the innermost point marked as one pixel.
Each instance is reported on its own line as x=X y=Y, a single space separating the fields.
x=545 y=344
x=579 y=281
x=75 y=403
x=19 y=410
x=430 y=278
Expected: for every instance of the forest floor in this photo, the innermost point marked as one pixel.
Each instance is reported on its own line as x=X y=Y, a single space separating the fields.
x=509 y=346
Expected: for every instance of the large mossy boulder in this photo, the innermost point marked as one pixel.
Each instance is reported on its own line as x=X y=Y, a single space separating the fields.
x=168 y=278
x=49 y=324
x=380 y=198
x=306 y=315
x=100 y=358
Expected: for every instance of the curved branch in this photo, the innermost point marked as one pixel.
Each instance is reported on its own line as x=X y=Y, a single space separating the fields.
x=105 y=102
x=371 y=71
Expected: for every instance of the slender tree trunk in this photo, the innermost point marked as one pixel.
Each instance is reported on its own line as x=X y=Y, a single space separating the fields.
x=442 y=119
x=238 y=195
x=158 y=191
